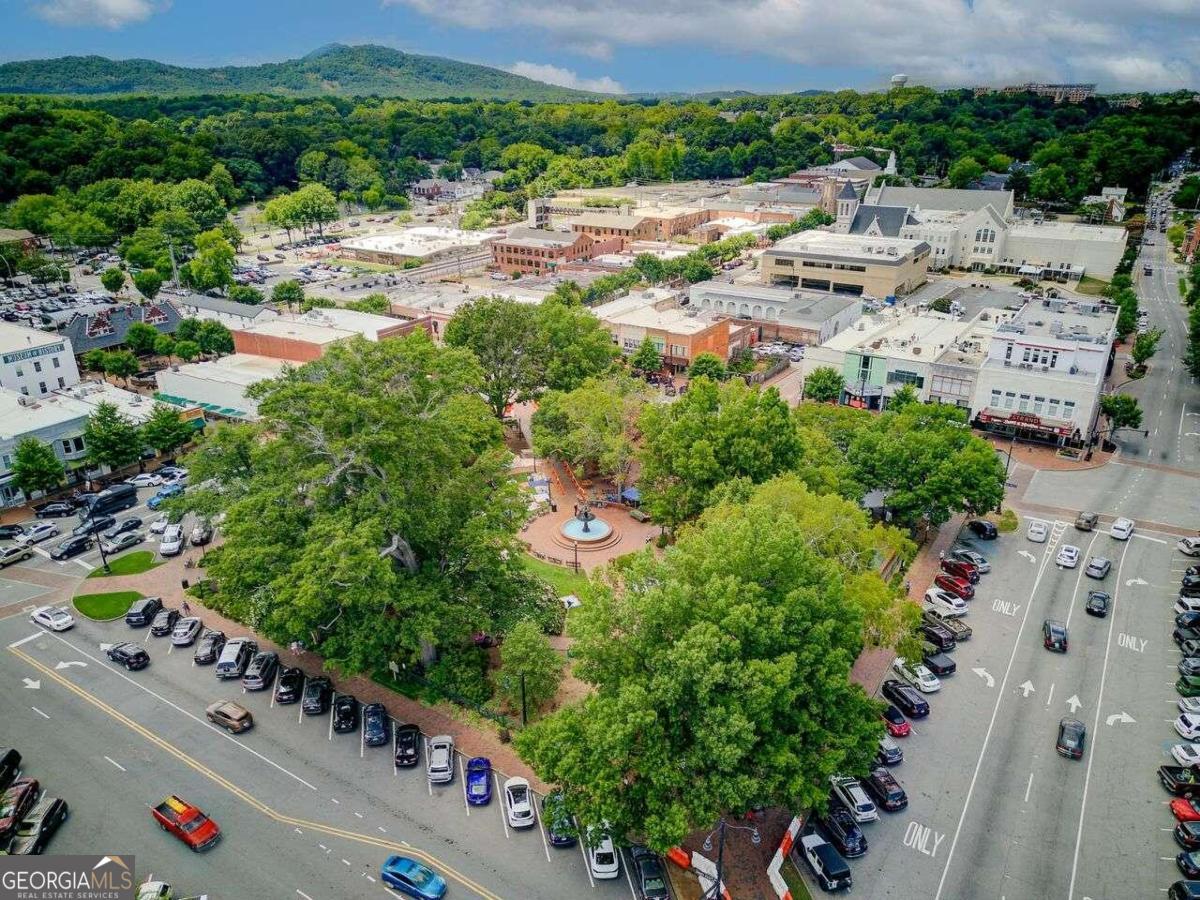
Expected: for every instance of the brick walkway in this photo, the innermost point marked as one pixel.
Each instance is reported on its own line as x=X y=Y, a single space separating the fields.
x=166 y=581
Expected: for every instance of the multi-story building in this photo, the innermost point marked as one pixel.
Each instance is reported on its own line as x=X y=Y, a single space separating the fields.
x=1062 y=250
x=802 y=317
x=627 y=228
x=34 y=362
x=54 y=419
x=537 y=251
x=1070 y=93
x=1044 y=371
x=858 y=265
x=423 y=243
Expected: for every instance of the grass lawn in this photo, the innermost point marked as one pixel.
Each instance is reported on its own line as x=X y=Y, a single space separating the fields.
x=134 y=563
x=103 y=607
x=1089 y=285
x=564 y=581
x=795 y=883
x=362 y=266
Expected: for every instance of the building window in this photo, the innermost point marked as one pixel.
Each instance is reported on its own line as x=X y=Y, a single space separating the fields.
x=62 y=382
x=1039 y=404
x=900 y=376
x=37 y=365
x=1052 y=408
x=42 y=386
x=1068 y=409
x=1026 y=354
x=1023 y=405
x=20 y=372
x=1009 y=399
x=995 y=404
x=1008 y=348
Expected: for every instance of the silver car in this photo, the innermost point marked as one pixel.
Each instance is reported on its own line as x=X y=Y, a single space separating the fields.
x=1098 y=567
x=439 y=764
x=185 y=631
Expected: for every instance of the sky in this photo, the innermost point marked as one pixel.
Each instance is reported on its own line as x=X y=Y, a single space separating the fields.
x=658 y=45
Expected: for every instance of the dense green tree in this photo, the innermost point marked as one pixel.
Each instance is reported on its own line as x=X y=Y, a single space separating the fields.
x=212 y=266
x=111 y=438
x=214 y=337
x=1121 y=411
x=200 y=201
x=186 y=350
x=721 y=672
x=905 y=395
x=289 y=292
x=650 y=267
x=530 y=668
x=148 y=283
x=36 y=467
x=573 y=345
x=1049 y=183
x=372 y=303
x=647 y=357
x=113 y=279
x=1191 y=352
x=244 y=293
x=93 y=360
x=121 y=364
x=188 y=330
x=165 y=430
x=963 y=172
x=315 y=301
x=824 y=384
x=140 y=337
x=1145 y=346
x=707 y=365
x=164 y=345
x=504 y=336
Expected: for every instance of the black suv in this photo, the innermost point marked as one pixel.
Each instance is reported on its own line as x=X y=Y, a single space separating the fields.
x=164 y=622
x=209 y=647
x=130 y=655
x=911 y=703
x=1054 y=636
x=143 y=611
x=648 y=874
x=885 y=790
x=290 y=685
x=317 y=692
x=91 y=526
x=983 y=529
x=839 y=828
x=408 y=745
x=345 y=713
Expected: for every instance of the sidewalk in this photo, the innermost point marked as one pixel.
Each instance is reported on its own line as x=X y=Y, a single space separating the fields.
x=166 y=581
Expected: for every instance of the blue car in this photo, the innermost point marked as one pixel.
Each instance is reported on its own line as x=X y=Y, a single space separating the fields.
x=479 y=781
x=171 y=490
x=413 y=879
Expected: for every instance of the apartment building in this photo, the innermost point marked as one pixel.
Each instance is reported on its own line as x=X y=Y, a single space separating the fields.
x=1044 y=372
x=537 y=251
x=625 y=227
x=857 y=265
x=34 y=362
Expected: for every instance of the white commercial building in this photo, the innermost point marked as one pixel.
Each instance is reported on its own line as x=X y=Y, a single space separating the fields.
x=805 y=317
x=423 y=242
x=220 y=384
x=54 y=419
x=1044 y=371
x=1063 y=248
x=130 y=404
x=35 y=362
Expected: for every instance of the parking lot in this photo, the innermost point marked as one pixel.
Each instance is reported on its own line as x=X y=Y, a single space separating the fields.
x=994 y=810
x=331 y=809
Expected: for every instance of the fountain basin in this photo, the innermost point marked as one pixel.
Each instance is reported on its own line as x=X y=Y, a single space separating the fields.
x=597 y=530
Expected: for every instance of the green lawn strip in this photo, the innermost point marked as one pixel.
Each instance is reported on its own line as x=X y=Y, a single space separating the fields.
x=1089 y=285
x=563 y=580
x=134 y=563
x=105 y=607
x=795 y=882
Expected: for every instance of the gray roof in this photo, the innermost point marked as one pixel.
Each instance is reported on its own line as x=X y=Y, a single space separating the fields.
x=608 y=220
x=539 y=237
x=221 y=305
x=863 y=164
x=847 y=192
x=940 y=198
x=104 y=328
x=890 y=218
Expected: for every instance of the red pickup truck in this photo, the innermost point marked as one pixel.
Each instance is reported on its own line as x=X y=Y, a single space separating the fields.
x=186 y=822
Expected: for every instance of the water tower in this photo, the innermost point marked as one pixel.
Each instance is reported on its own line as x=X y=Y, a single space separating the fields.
x=899 y=81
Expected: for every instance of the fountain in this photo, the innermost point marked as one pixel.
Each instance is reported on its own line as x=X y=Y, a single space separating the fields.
x=585 y=527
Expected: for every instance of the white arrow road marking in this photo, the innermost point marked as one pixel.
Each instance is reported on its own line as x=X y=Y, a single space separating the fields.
x=33 y=683
x=986 y=676
x=1027 y=688
x=1029 y=556
x=69 y=663
x=1074 y=703
x=1123 y=717
x=1130 y=582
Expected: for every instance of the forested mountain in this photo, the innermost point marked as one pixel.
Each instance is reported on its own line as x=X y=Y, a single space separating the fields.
x=335 y=69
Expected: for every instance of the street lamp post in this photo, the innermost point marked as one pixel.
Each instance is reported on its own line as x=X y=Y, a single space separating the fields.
x=103 y=555
x=755 y=838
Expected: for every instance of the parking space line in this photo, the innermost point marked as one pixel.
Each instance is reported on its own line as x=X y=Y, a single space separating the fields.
x=628 y=874
x=462 y=772
x=587 y=866
x=332 y=701
x=537 y=817
x=500 y=797
x=115 y=763
x=274 y=687
x=25 y=640
x=428 y=783
x=1086 y=555
x=362 y=740
x=39 y=712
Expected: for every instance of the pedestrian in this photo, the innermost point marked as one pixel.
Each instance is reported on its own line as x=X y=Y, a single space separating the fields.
x=942 y=556
x=187 y=608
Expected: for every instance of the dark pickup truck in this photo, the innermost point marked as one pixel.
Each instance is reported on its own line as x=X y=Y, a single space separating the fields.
x=1182 y=781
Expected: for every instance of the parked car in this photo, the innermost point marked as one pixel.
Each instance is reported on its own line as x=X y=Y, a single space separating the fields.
x=894 y=722
x=479 y=781
x=1187 y=835
x=11 y=532
x=1186 y=809
x=128 y=654
x=983 y=529
x=235 y=657
x=560 y=825
x=960 y=569
x=172 y=541
x=1187 y=726
x=260 y=673
x=1071 y=736
x=1068 y=556
x=412 y=879
x=882 y=787
x=72 y=546
x=889 y=752
x=15 y=803
x=159 y=525
x=345 y=713
x=1182 y=781
x=1189 y=546
x=290 y=685
x=1188 y=685
x=94 y=525
x=940 y=664
x=122 y=541
x=145 y=480
x=54 y=618
x=978 y=560
x=849 y=793
x=377 y=725
x=1122 y=529
x=186 y=631
x=518 y=803
x=938 y=635
x=959 y=587
x=14 y=553
x=407 y=745
x=1038 y=531
x=233 y=717
x=133 y=523
x=1098 y=567
x=317 y=693
x=37 y=533
x=603 y=860
x=1054 y=636
x=56 y=509
x=906 y=698
x=917 y=675
x=439 y=765
x=826 y=864
x=209 y=647
x=164 y=622
x=1186 y=754
x=1098 y=603
x=201 y=534
x=165 y=493
x=38 y=826
x=649 y=878
x=1086 y=521
x=943 y=601
x=142 y=612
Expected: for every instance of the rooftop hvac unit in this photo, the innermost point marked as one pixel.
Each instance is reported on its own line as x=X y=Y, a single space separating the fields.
x=891 y=251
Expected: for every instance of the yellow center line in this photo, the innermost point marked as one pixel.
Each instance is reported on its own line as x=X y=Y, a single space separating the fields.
x=245 y=795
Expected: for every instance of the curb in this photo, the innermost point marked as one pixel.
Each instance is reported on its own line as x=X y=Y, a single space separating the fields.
x=785 y=847
x=701 y=866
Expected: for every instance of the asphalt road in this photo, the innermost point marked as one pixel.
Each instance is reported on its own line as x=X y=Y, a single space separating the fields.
x=305 y=813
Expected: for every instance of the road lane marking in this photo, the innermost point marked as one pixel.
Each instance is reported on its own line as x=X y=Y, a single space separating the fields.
x=628 y=876
x=587 y=865
x=1079 y=579
x=244 y=795
x=26 y=640
x=336 y=800
x=1028 y=787
x=302 y=894
x=1050 y=696
x=115 y=763
x=177 y=708
x=39 y=712
x=358 y=815
x=537 y=817
x=1087 y=777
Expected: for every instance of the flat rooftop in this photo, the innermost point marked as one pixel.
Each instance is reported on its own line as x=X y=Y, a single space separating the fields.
x=420 y=241
x=1068 y=231
x=136 y=407
x=848 y=246
x=903 y=334
x=242 y=369
x=18 y=419
x=1088 y=322
x=15 y=338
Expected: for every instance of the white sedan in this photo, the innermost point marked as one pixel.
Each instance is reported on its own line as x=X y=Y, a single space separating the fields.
x=1068 y=556
x=1188 y=727
x=518 y=803
x=56 y=618
x=1189 y=705
x=1186 y=754
x=1122 y=529
x=144 y=480
x=1038 y=531
x=918 y=676
x=159 y=525
x=945 y=602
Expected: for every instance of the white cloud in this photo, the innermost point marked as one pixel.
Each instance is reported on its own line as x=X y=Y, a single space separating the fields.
x=1148 y=45
x=105 y=13
x=565 y=78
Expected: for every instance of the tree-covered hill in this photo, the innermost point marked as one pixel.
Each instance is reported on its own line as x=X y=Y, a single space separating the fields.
x=336 y=69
